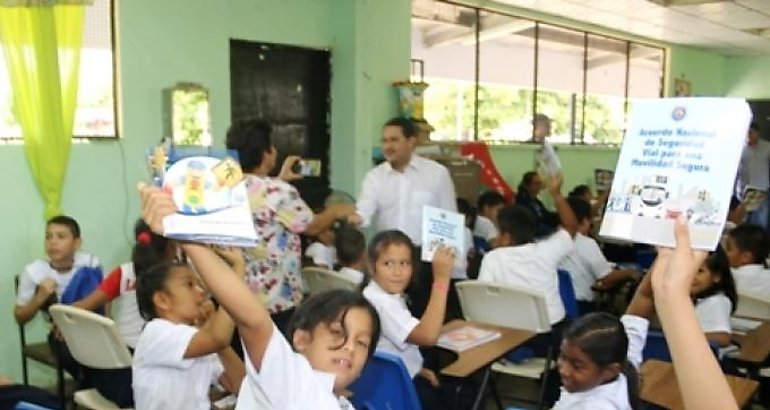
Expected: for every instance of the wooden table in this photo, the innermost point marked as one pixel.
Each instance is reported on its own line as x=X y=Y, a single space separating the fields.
x=482 y=356
x=660 y=387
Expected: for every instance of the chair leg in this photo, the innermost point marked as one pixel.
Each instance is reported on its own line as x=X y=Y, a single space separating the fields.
x=544 y=383
x=24 y=371
x=495 y=394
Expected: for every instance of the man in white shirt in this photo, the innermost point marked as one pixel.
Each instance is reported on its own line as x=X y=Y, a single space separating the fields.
x=396 y=191
x=754 y=171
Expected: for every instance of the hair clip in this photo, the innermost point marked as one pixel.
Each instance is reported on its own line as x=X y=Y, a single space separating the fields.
x=144 y=238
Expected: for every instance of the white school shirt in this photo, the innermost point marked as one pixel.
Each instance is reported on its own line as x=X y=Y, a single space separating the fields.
x=612 y=395
x=586 y=264
x=485 y=228
x=533 y=266
x=286 y=381
x=714 y=313
x=39 y=270
x=353 y=274
x=396 y=323
x=753 y=279
x=397 y=197
x=322 y=255
x=162 y=378
x=120 y=287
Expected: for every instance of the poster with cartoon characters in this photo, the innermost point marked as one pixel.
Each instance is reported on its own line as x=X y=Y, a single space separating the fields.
x=211 y=200
x=679 y=157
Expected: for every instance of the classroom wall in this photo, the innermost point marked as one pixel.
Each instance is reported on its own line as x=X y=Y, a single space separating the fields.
x=747 y=77
x=162 y=43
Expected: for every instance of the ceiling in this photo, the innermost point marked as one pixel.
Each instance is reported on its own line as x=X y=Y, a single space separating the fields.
x=731 y=27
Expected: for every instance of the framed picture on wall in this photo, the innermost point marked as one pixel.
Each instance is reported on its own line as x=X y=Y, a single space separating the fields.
x=682 y=87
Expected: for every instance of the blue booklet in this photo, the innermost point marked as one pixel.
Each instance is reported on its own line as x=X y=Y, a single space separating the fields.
x=211 y=198
x=679 y=157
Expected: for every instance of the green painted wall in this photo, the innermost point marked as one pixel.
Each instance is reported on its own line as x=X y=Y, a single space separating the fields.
x=705 y=70
x=162 y=43
x=747 y=77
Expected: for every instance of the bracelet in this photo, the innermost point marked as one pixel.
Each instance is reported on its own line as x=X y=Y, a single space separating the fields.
x=442 y=286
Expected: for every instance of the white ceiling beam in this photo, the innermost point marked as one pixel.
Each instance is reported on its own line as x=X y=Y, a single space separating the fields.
x=491 y=27
x=608 y=59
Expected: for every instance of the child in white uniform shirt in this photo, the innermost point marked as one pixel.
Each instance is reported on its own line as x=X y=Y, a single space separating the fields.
x=175 y=362
x=713 y=290
x=332 y=334
x=351 y=251
x=521 y=262
x=747 y=249
x=392 y=256
x=322 y=251
x=586 y=263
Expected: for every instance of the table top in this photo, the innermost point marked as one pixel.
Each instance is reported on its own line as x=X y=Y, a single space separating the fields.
x=755 y=344
x=660 y=387
x=470 y=360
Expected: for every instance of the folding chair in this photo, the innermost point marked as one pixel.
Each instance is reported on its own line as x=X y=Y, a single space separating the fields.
x=509 y=306
x=384 y=384
x=754 y=306
x=40 y=352
x=95 y=342
x=321 y=279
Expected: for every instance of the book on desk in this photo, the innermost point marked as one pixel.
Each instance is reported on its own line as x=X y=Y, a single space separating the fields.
x=466 y=337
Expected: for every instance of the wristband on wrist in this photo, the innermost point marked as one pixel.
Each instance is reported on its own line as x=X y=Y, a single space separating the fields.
x=442 y=286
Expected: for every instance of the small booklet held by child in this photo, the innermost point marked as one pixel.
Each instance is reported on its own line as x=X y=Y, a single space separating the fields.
x=753 y=198
x=442 y=227
x=466 y=337
x=211 y=199
x=679 y=157
x=547 y=161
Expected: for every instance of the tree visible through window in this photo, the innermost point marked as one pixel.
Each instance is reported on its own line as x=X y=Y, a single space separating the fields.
x=95 y=113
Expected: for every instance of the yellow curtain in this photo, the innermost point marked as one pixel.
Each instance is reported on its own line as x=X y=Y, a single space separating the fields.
x=41 y=41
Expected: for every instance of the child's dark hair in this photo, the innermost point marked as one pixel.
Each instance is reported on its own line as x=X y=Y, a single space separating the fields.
x=526 y=181
x=718 y=264
x=603 y=339
x=350 y=244
x=148 y=283
x=149 y=249
x=384 y=239
x=67 y=221
x=464 y=207
x=408 y=128
x=251 y=139
x=489 y=198
x=580 y=208
x=330 y=306
x=752 y=239
x=519 y=222
x=580 y=191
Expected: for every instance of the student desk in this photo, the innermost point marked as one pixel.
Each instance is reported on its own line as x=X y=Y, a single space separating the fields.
x=483 y=355
x=660 y=387
x=755 y=347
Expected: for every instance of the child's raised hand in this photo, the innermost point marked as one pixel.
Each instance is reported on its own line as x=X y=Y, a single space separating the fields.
x=156 y=205
x=233 y=256
x=673 y=270
x=555 y=182
x=443 y=262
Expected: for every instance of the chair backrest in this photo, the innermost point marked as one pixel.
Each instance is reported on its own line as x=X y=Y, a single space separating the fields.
x=93 y=340
x=755 y=306
x=384 y=384
x=503 y=305
x=321 y=279
x=567 y=292
x=656 y=347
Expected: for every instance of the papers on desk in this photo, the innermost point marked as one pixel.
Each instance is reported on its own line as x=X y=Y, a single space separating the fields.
x=466 y=337
x=741 y=325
